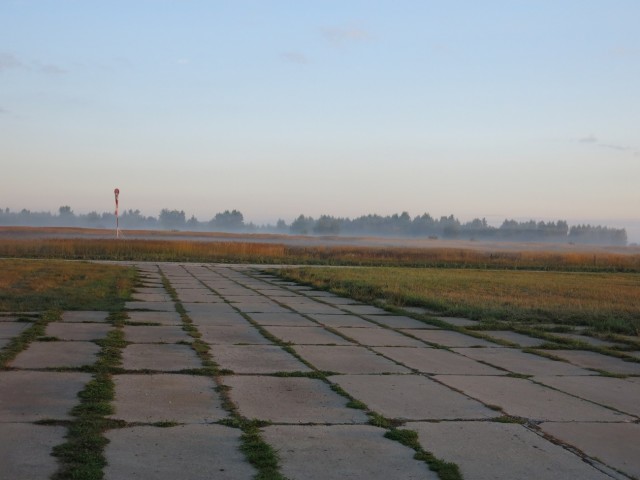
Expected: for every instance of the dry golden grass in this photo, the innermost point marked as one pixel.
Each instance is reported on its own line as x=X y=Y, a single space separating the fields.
x=274 y=253
x=37 y=285
x=606 y=301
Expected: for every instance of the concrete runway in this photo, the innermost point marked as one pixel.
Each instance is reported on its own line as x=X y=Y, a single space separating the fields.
x=489 y=407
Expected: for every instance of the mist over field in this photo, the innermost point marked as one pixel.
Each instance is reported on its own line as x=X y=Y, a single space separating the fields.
x=396 y=225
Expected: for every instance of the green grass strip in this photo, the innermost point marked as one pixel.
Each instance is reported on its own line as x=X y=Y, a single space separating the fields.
x=81 y=456
x=257 y=452
x=409 y=438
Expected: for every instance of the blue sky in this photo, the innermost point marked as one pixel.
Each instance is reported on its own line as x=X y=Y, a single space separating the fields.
x=498 y=109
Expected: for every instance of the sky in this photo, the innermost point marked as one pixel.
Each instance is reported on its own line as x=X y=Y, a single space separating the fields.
x=525 y=109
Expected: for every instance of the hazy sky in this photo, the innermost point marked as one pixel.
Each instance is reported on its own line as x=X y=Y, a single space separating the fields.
x=512 y=108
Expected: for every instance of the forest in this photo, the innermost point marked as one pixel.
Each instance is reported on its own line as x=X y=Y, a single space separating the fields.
x=398 y=225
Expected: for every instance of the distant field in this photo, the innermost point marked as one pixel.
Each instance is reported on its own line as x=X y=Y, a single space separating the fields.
x=607 y=302
x=39 y=285
x=83 y=244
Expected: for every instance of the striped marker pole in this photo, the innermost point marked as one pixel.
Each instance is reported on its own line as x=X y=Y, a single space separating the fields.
x=116 y=192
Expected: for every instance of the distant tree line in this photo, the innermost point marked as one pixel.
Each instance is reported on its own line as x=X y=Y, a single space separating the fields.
x=390 y=225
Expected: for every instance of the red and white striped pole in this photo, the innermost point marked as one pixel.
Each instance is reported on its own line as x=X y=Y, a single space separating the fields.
x=116 y=192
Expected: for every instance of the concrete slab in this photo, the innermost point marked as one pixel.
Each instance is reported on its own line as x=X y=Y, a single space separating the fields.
x=343 y=320
x=379 y=337
x=522 y=398
x=35 y=461
x=347 y=359
x=84 y=316
x=166 y=358
x=449 y=338
x=4 y=342
x=598 y=361
x=160 y=318
x=256 y=359
x=501 y=451
x=342 y=452
x=517 y=361
x=151 y=297
x=217 y=319
x=316 y=307
x=306 y=335
x=615 y=393
x=166 y=397
x=56 y=355
x=12 y=329
x=411 y=397
x=209 y=308
x=398 y=321
x=513 y=337
x=459 y=322
x=196 y=452
x=78 y=331
x=364 y=309
x=33 y=396
x=340 y=301
x=437 y=361
x=260 y=308
x=596 y=342
x=232 y=334
x=156 y=306
x=615 y=444
x=160 y=334
x=290 y=400
x=283 y=319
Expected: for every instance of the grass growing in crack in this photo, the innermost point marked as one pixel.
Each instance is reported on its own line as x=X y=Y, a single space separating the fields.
x=28 y=335
x=409 y=438
x=257 y=452
x=81 y=456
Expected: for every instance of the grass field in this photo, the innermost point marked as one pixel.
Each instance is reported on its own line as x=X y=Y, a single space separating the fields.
x=39 y=285
x=606 y=302
x=276 y=253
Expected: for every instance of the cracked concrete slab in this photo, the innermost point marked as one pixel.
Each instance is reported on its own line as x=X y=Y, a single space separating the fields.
x=196 y=452
x=12 y=329
x=339 y=452
x=26 y=453
x=399 y=321
x=157 y=334
x=520 y=362
x=56 y=355
x=159 y=357
x=290 y=400
x=33 y=396
x=411 y=397
x=315 y=307
x=84 y=316
x=598 y=361
x=306 y=335
x=615 y=444
x=437 y=361
x=256 y=359
x=160 y=318
x=162 y=306
x=523 y=398
x=77 y=331
x=217 y=319
x=450 y=339
x=347 y=359
x=501 y=451
x=617 y=393
x=378 y=336
x=513 y=337
x=232 y=334
x=282 y=319
x=343 y=320
x=166 y=397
